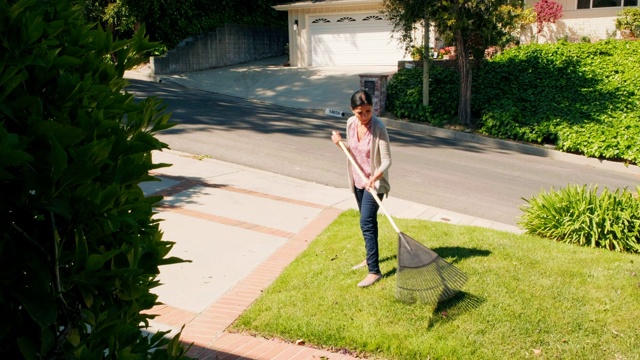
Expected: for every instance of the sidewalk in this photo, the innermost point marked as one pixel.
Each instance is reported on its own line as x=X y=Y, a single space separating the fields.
x=215 y=213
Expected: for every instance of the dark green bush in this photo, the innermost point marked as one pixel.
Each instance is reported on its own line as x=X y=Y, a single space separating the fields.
x=579 y=215
x=170 y=22
x=80 y=249
x=404 y=95
x=582 y=97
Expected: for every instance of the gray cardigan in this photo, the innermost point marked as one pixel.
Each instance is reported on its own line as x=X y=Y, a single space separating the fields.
x=380 y=154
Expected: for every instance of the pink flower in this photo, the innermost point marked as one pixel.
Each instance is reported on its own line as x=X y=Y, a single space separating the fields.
x=447 y=50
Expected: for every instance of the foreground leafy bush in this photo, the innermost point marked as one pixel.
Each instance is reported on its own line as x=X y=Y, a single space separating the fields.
x=582 y=97
x=579 y=215
x=79 y=248
x=404 y=93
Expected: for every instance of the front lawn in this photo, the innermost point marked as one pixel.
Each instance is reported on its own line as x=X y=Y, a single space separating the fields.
x=526 y=297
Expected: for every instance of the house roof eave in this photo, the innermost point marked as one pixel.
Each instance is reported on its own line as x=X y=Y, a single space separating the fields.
x=322 y=3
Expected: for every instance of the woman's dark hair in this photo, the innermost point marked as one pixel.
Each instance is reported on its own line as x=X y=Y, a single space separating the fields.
x=359 y=98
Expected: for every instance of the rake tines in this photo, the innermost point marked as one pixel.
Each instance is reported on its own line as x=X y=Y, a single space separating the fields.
x=423 y=276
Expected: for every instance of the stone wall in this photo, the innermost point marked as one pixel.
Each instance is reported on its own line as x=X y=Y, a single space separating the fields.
x=227 y=45
x=376 y=86
x=449 y=63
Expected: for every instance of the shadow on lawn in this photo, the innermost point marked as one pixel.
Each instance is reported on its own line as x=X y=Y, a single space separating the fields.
x=450 y=309
x=463 y=301
x=454 y=254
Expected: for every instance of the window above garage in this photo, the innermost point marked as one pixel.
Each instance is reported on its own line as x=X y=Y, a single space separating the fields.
x=594 y=4
x=323 y=4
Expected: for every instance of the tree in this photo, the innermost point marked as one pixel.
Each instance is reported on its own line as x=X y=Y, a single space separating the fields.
x=547 y=12
x=628 y=23
x=170 y=21
x=472 y=25
x=79 y=247
x=406 y=15
x=110 y=14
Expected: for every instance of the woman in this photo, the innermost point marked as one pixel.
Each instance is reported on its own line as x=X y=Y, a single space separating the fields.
x=368 y=142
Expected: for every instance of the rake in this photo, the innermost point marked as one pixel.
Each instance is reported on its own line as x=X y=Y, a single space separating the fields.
x=423 y=276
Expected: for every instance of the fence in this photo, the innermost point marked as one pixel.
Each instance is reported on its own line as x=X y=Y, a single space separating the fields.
x=227 y=45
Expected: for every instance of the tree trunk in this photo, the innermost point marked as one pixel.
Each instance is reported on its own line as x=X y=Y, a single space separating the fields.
x=464 y=66
x=425 y=64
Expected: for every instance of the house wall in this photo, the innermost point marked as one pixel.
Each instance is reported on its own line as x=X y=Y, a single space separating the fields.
x=596 y=24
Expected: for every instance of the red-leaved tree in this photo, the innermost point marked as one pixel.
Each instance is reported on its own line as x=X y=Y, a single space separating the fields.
x=547 y=11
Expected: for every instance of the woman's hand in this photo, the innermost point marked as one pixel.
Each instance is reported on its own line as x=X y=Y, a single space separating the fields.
x=335 y=137
x=371 y=183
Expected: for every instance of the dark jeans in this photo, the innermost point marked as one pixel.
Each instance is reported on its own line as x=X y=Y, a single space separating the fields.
x=369 y=225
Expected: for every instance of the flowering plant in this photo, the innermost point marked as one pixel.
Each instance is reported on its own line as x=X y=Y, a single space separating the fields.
x=446 y=50
x=547 y=11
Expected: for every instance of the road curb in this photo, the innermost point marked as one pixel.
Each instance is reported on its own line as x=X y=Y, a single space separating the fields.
x=523 y=148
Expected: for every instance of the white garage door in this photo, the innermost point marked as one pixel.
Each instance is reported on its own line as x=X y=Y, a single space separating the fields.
x=363 y=39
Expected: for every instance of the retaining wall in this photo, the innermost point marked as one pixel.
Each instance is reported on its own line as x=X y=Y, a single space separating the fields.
x=448 y=63
x=227 y=45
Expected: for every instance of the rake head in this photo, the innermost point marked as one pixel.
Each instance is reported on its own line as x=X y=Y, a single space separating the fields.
x=423 y=276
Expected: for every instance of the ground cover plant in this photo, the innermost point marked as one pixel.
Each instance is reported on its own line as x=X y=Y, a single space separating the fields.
x=586 y=217
x=526 y=297
x=581 y=97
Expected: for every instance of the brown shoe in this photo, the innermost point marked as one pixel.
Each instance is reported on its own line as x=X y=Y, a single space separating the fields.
x=370 y=280
x=360 y=266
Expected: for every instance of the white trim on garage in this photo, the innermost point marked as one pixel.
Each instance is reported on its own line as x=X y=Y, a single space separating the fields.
x=352 y=39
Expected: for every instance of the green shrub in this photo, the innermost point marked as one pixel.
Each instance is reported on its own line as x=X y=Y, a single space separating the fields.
x=579 y=215
x=628 y=22
x=404 y=95
x=417 y=52
x=581 y=97
x=79 y=247
x=170 y=22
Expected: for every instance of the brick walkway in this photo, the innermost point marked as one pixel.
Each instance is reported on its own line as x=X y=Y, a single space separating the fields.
x=206 y=330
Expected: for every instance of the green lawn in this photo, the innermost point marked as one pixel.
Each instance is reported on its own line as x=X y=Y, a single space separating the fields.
x=526 y=297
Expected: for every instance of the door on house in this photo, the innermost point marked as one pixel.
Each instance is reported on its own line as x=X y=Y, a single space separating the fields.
x=353 y=39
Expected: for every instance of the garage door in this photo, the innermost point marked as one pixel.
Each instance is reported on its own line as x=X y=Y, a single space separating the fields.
x=363 y=39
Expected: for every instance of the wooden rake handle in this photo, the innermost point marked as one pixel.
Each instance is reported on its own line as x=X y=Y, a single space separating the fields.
x=371 y=190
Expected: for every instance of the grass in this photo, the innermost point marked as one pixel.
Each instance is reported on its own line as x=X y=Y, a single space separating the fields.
x=526 y=297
